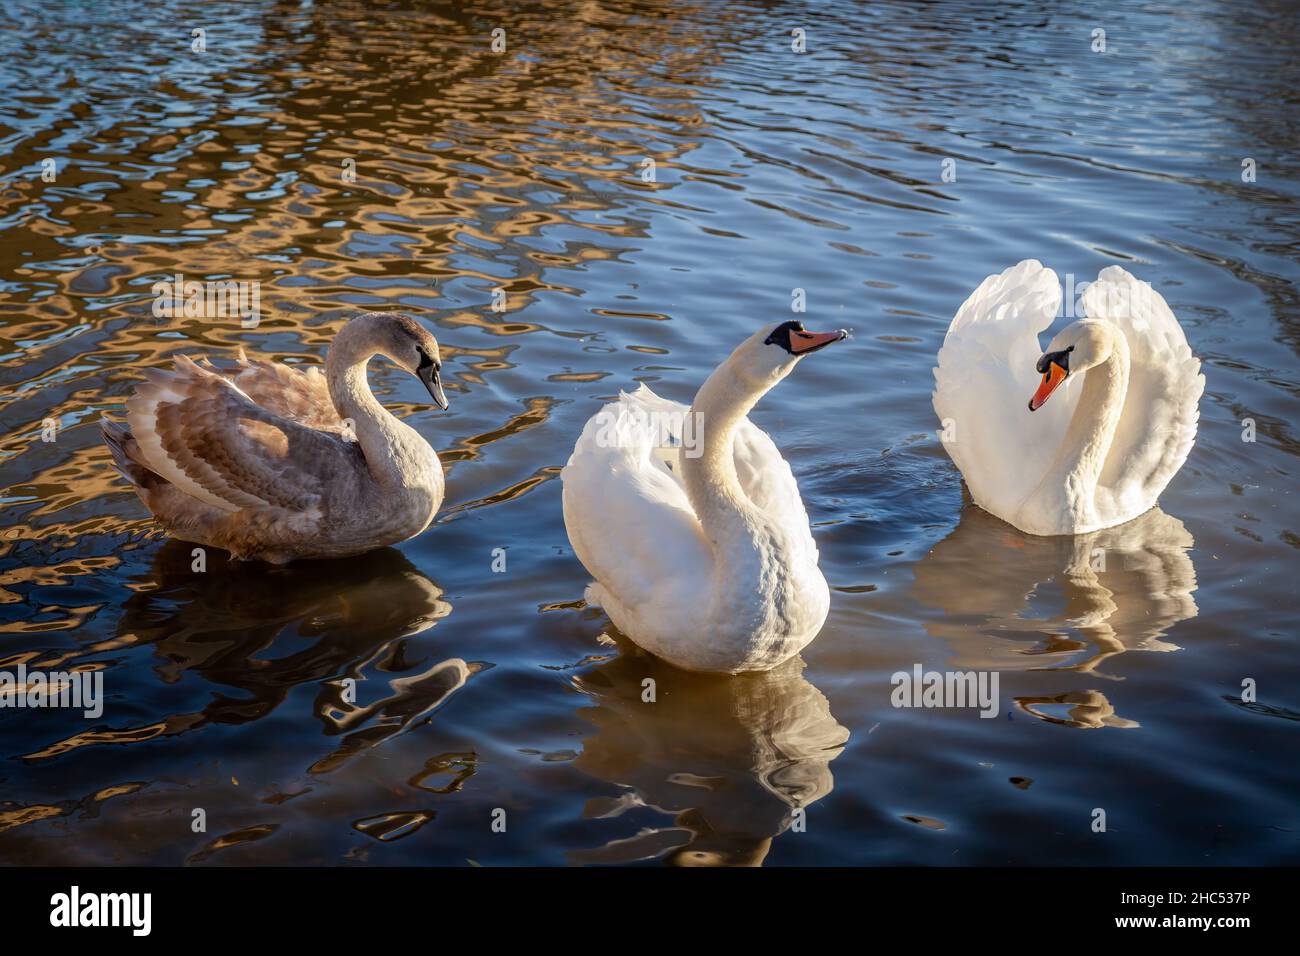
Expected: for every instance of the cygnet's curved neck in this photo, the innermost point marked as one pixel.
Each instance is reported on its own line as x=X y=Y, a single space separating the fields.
x=392 y=449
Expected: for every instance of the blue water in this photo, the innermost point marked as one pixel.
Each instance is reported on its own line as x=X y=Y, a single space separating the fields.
x=1120 y=690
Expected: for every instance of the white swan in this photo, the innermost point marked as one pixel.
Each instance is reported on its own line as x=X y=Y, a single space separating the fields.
x=276 y=463
x=1096 y=456
x=691 y=522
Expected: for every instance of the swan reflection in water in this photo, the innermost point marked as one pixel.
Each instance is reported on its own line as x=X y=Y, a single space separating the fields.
x=264 y=631
x=1014 y=601
x=730 y=759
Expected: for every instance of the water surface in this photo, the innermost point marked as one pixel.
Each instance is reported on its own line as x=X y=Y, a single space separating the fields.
x=521 y=176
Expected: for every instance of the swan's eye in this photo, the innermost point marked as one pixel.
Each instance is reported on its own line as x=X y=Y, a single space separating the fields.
x=425 y=360
x=1061 y=358
x=1055 y=368
x=781 y=334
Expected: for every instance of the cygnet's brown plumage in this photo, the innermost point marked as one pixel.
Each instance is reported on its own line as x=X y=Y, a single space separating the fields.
x=273 y=462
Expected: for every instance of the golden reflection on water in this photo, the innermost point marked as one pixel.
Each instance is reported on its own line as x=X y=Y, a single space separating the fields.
x=231 y=625
x=517 y=178
x=451 y=151
x=1014 y=601
x=731 y=761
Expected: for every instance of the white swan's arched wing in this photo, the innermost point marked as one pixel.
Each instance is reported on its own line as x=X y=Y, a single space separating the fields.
x=764 y=475
x=626 y=512
x=985 y=376
x=769 y=483
x=1161 y=408
x=200 y=432
x=629 y=519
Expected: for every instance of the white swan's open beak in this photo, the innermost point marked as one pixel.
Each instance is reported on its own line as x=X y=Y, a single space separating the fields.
x=1053 y=377
x=801 y=343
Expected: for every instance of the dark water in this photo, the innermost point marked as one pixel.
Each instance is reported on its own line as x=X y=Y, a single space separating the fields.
x=522 y=171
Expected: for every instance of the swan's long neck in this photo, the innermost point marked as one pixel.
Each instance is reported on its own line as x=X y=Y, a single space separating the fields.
x=1075 y=471
x=394 y=452
x=725 y=512
x=711 y=481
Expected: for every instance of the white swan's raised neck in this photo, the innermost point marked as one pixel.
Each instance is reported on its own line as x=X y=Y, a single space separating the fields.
x=1064 y=501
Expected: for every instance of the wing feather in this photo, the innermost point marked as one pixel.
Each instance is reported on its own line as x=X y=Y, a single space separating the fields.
x=983 y=382
x=625 y=509
x=201 y=432
x=296 y=392
x=623 y=493
x=1157 y=427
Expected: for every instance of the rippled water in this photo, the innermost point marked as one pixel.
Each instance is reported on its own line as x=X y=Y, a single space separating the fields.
x=523 y=172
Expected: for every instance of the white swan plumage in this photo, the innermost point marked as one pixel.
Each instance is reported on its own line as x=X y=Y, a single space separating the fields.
x=691 y=522
x=1096 y=455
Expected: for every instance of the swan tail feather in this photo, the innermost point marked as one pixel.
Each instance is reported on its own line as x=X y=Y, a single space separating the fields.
x=126 y=454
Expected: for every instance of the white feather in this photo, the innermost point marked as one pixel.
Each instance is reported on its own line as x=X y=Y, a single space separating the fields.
x=986 y=373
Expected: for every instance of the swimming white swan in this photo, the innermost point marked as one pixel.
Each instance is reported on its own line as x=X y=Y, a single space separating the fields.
x=1096 y=456
x=275 y=463
x=691 y=522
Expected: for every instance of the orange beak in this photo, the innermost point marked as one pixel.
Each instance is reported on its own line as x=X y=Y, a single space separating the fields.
x=1053 y=377
x=803 y=342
